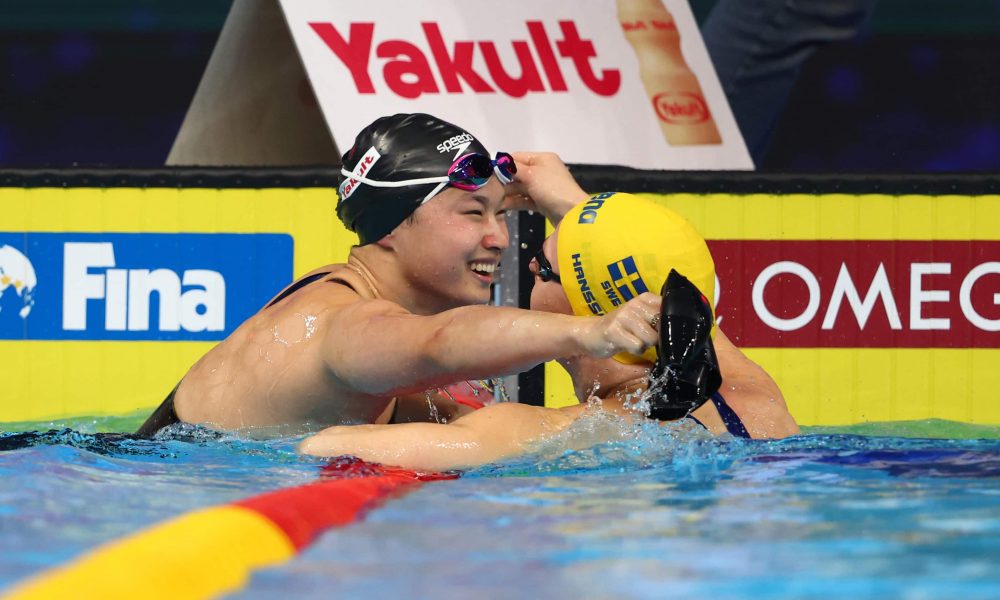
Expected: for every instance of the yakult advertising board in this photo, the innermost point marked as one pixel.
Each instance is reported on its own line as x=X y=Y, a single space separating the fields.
x=626 y=82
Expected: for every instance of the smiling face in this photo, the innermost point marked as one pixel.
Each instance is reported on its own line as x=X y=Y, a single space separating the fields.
x=450 y=251
x=549 y=295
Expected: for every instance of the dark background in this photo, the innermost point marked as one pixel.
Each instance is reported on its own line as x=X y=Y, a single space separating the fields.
x=107 y=82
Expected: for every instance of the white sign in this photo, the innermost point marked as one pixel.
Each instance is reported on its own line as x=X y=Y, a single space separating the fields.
x=626 y=82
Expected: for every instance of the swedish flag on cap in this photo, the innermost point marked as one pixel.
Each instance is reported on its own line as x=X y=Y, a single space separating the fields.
x=616 y=246
x=626 y=278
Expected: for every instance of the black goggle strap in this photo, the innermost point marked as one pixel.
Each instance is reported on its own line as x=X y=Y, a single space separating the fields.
x=545 y=272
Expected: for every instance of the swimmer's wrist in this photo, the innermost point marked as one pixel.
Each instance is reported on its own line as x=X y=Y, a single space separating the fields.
x=583 y=338
x=564 y=204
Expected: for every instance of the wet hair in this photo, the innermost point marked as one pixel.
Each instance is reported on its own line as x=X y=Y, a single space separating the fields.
x=396 y=148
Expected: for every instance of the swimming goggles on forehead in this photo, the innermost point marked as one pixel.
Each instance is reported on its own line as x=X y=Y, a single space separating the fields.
x=469 y=172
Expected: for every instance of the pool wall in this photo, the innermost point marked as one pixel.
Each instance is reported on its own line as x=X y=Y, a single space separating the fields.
x=869 y=298
x=136 y=275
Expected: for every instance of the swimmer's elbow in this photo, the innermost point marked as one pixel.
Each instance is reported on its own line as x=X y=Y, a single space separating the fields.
x=779 y=428
x=333 y=441
x=384 y=380
x=435 y=352
x=422 y=361
x=314 y=446
x=777 y=421
x=785 y=424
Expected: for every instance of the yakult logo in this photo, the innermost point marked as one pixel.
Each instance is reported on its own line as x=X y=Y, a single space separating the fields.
x=860 y=293
x=411 y=68
x=681 y=107
x=364 y=165
x=138 y=286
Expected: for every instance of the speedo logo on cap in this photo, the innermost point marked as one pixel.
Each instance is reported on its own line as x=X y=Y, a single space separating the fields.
x=461 y=140
x=589 y=213
x=581 y=281
x=364 y=165
x=626 y=278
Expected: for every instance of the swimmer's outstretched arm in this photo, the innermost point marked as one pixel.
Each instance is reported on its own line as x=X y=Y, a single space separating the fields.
x=378 y=348
x=487 y=435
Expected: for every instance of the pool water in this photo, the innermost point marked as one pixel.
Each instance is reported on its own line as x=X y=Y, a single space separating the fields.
x=661 y=512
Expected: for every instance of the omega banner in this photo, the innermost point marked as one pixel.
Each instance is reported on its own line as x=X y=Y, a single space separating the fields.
x=864 y=307
x=861 y=293
x=624 y=83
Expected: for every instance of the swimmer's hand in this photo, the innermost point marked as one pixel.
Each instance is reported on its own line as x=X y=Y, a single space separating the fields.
x=543 y=184
x=629 y=328
x=686 y=373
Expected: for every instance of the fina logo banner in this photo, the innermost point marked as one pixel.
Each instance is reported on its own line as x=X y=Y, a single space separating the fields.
x=626 y=82
x=136 y=286
x=859 y=294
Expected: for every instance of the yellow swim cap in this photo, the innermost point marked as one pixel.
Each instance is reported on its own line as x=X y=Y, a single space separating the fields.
x=615 y=246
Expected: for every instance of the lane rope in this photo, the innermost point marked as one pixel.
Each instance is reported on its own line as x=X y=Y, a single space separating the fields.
x=211 y=551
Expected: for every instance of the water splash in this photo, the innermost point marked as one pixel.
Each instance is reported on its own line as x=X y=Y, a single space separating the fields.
x=647 y=507
x=310 y=321
x=308 y=330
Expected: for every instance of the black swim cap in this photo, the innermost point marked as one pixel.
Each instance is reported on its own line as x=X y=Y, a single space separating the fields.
x=397 y=148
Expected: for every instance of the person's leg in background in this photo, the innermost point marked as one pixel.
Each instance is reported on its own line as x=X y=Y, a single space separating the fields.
x=758 y=48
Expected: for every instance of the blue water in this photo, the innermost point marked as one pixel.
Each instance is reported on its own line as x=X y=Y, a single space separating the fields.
x=663 y=512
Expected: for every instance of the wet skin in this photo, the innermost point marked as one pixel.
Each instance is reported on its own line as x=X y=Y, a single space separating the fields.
x=404 y=316
x=272 y=372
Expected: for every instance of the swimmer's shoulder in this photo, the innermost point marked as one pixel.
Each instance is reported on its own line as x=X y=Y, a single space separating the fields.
x=334 y=295
x=333 y=283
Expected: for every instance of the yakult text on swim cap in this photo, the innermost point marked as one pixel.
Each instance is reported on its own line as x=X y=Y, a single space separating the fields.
x=364 y=165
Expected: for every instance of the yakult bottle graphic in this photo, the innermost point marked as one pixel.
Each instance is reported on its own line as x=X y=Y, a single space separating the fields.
x=673 y=89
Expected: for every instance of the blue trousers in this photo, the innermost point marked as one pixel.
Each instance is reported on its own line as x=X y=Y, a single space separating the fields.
x=758 y=48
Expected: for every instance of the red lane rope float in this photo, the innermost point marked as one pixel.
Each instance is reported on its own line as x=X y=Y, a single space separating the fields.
x=211 y=551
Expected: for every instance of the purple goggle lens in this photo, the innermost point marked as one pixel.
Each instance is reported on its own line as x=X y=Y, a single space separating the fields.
x=472 y=171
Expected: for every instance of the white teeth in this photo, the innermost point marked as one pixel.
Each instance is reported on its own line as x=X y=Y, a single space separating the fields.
x=484 y=267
